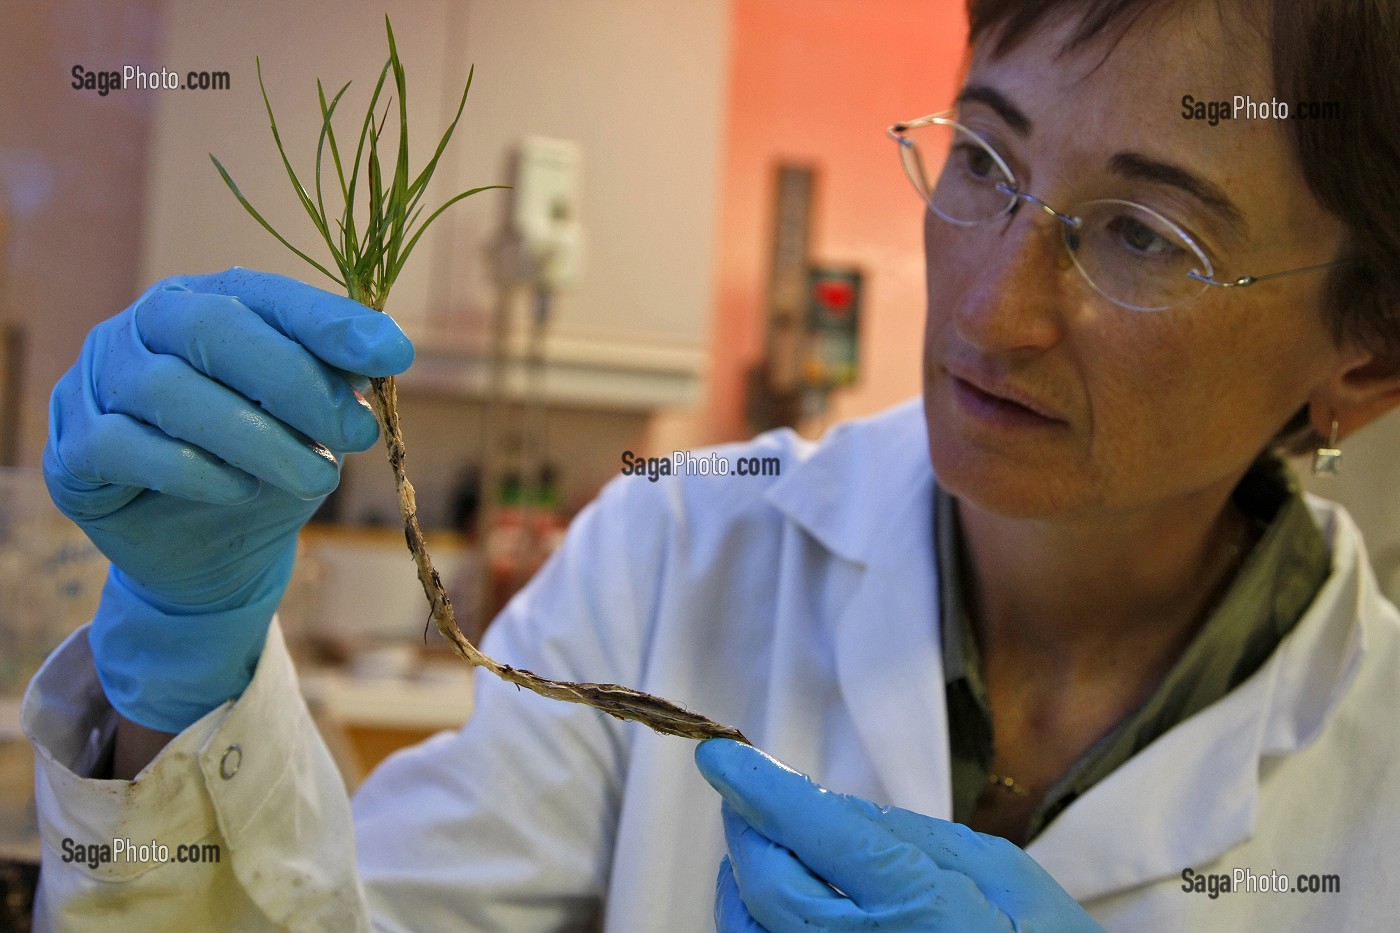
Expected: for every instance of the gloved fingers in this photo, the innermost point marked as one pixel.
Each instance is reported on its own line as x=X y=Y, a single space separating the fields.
x=1002 y=870
x=778 y=890
x=952 y=845
x=93 y=472
x=344 y=333
x=168 y=394
x=357 y=382
x=221 y=338
x=731 y=916
x=838 y=837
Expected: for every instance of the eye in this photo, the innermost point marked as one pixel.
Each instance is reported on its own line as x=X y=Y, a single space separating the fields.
x=976 y=161
x=1138 y=236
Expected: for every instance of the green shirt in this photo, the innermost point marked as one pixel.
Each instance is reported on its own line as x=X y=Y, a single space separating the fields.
x=1266 y=598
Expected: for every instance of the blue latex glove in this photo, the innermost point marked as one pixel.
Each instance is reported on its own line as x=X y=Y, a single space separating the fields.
x=198 y=431
x=803 y=858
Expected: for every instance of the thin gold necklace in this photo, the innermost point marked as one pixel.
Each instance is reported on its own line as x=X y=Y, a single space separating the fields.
x=1008 y=783
x=1234 y=553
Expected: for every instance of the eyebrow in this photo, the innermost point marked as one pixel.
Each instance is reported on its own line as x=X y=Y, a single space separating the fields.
x=1014 y=116
x=1129 y=165
x=1140 y=168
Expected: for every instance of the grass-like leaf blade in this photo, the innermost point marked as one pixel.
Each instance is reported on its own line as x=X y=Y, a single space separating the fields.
x=248 y=206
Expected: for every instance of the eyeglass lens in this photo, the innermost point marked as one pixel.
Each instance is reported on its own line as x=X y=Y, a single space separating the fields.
x=1127 y=252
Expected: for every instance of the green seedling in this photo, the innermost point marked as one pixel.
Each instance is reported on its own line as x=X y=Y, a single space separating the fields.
x=368 y=260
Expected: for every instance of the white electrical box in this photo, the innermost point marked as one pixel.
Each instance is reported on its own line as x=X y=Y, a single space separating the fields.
x=545 y=211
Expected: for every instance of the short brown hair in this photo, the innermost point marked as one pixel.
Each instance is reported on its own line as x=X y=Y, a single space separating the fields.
x=1322 y=50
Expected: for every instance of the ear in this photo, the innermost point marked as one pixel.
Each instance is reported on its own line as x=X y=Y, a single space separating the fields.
x=1364 y=387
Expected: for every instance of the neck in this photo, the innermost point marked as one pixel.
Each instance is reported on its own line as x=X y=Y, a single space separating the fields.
x=1114 y=594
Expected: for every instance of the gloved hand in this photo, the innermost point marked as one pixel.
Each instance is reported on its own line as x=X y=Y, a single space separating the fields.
x=198 y=431
x=803 y=858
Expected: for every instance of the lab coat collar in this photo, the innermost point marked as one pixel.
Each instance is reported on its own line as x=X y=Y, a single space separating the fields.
x=861 y=485
x=1193 y=795
x=866 y=494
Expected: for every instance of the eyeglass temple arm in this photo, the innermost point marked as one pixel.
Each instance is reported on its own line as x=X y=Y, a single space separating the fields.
x=906 y=125
x=1244 y=280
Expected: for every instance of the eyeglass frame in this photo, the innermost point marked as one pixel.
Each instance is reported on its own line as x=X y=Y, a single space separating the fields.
x=1015 y=196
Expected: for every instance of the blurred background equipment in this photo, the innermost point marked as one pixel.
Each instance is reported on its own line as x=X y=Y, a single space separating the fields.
x=812 y=331
x=50 y=579
x=539 y=253
x=831 y=329
x=11 y=360
x=775 y=387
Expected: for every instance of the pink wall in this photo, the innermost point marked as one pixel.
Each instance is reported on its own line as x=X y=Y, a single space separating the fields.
x=818 y=81
x=72 y=181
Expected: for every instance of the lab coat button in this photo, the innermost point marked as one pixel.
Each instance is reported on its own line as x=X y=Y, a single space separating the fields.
x=233 y=758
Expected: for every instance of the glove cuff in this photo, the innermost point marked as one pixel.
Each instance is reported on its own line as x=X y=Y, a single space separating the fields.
x=164 y=668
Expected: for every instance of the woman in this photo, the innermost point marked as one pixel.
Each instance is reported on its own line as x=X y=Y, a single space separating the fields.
x=1109 y=630
x=1126 y=558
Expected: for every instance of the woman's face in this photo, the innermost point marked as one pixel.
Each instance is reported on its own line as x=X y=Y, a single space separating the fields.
x=1043 y=398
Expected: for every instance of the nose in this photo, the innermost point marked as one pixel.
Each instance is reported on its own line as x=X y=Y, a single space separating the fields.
x=1014 y=276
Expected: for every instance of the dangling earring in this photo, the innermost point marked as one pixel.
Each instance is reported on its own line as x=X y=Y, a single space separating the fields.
x=1327 y=460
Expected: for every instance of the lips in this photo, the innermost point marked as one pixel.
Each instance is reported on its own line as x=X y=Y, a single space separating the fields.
x=990 y=394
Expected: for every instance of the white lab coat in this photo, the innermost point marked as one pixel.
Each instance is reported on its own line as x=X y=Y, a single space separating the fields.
x=804 y=611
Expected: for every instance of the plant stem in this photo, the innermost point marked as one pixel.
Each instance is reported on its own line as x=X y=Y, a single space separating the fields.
x=369 y=262
x=622 y=702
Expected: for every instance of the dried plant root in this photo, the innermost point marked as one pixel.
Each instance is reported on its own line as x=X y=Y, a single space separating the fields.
x=622 y=702
x=368 y=258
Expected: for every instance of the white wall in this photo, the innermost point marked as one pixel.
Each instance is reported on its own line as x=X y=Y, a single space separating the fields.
x=1369 y=487
x=638 y=83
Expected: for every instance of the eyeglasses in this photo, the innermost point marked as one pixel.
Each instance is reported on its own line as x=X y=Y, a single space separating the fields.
x=1127 y=252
